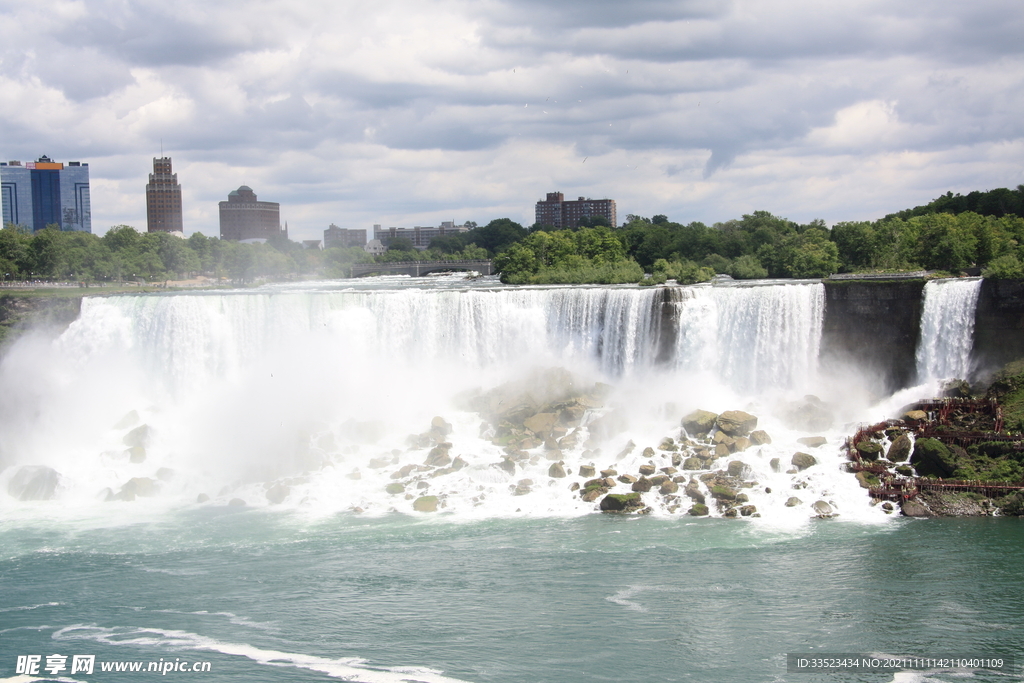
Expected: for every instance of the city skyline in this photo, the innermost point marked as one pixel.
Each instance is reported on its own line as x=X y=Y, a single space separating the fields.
x=411 y=113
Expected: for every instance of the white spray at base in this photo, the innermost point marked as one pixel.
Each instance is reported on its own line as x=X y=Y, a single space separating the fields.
x=305 y=400
x=947 y=329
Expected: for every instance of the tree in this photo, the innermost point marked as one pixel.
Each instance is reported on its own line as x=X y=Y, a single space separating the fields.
x=401 y=244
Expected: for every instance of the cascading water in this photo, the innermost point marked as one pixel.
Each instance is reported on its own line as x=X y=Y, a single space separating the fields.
x=307 y=398
x=947 y=329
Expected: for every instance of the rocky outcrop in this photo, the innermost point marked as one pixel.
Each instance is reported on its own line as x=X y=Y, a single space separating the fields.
x=621 y=502
x=33 y=482
x=699 y=422
x=900 y=449
x=931 y=457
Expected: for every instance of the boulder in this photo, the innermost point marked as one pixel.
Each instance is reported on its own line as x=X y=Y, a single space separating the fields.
x=643 y=485
x=395 y=488
x=137 y=486
x=609 y=473
x=33 y=482
x=692 y=491
x=900 y=449
x=698 y=510
x=570 y=440
x=915 y=508
x=822 y=509
x=626 y=450
x=869 y=450
x=458 y=463
x=759 y=437
x=932 y=458
x=905 y=470
x=741 y=443
x=793 y=501
x=541 y=424
x=507 y=464
x=425 y=504
x=735 y=469
x=380 y=462
x=137 y=437
x=659 y=479
x=277 y=493
x=627 y=478
x=720 y=492
x=802 y=461
x=648 y=452
x=736 y=422
x=137 y=454
x=722 y=450
x=587 y=470
x=867 y=480
x=915 y=416
x=748 y=510
x=647 y=469
x=813 y=441
x=202 y=498
x=668 y=444
x=439 y=425
x=699 y=422
x=589 y=496
x=692 y=463
x=438 y=456
x=668 y=487
x=621 y=502
x=236 y=503
x=556 y=471
x=775 y=465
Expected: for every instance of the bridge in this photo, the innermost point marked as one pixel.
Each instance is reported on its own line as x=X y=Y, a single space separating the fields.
x=418 y=268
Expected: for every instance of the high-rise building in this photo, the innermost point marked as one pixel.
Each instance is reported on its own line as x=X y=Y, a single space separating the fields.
x=558 y=213
x=343 y=237
x=45 y=192
x=242 y=217
x=420 y=236
x=163 y=198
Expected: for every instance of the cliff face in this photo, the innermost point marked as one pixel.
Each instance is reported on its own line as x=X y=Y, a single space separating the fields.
x=19 y=312
x=873 y=325
x=998 y=326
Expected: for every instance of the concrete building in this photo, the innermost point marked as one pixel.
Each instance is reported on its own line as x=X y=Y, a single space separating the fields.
x=419 y=236
x=557 y=212
x=343 y=237
x=243 y=217
x=44 y=192
x=163 y=198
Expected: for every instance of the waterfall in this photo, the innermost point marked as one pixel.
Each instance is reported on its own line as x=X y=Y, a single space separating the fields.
x=947 y=329
x=753 y=338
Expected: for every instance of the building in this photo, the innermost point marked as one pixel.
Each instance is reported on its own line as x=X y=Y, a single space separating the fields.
x=374 y=248
x=243 y=217
x=163 y=198
x=343 y=237
x=419 y=236
x=558 y=213
x=45 y=192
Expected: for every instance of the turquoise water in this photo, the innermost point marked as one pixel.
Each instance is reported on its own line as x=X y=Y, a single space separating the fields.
x=270 y=596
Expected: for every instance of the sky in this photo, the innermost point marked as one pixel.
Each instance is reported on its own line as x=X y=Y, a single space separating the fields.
x=410 y=113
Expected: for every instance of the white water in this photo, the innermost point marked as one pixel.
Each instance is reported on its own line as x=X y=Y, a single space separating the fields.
x=303 y=388
x=947 y=329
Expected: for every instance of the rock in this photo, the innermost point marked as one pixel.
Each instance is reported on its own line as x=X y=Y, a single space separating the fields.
x=608 y=473
x=698 y=510
x=278 y=493
x=621 y=502
x=521 y=489
x=669 y=470
x=735 y=469
x=556 y=471
x=822 y=509
x=900 y=449
x=648 y=452
x=130 y=419
x=380 y=462
x=627 y=478
x=438 y=456
x=33 y=482
x=668 y=444
x=395 y=488
x=137 y=454
x=915 y=416
x=589 y=496
x=658 y=479
x=793 y=501
x=867 y=480
x=736 y=422
x=236 y=503
x=699 y=422
x=607 y=426
x=813 y=441
x=422 y=485
x=355 y=475
x=719 y=492
x=869 y=450
x=587 y=470
x=731 y=513
x=507 y=464
x=643 y=485
x=570 y=440
x=905 y=470
x=802 y=461
x=458 y=463
x=647 y=469
x=137 y=486
x=668 y=487
x=626 y=450
x=137 y=437
x=723 y=438
x=888 y=507
x=760 y=437
x=541 y=424
x=442 y=427
x=775 y=465
x=202 y=498
x=741 y=443
x=933 y=458
x=721 y=450
x=692 y=463
x=914 y=508
x=425 y=504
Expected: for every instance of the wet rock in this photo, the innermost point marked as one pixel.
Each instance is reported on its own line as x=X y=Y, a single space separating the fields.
x=915 y=416
x=741 y=443
x=699 y=422
x=570 y=440
x=138 y=437
x=236 y=503
x=425 y=504
x=130 y=419
x=394 y=488
x=441 y=426
x=793 y=501
x=575 y=486
x=736 y=469
x=668 y=444
x=669 y=470
x=278 y=493
x=759 y=437
x=589 y=496
x=813 y=441
x=900 y=449
x=931 y=457
x=202 y=498
x=556 y=471
x=33 y=482
x=888 y=507
x=621 y=502
x=869 y=450
x=719 y=492
x=137 y=486
x=736 y=422
x=458 y=463
x=693 y=463
x=658 y=479
x=381 y=462
x=136 y=454
x=748 y=510
x=438 y=456
x=642 y=485
x=627 y=478
x=698 y=510
x=775 y=465
x=523 y=486
x=722 y=450
x=822 y=509
x=587 y=470
x=668 y=487
x=866 y=480
x=508 y=465
x=905 y=470
x=541 y=424
x=802 y=461
x=608 y=473
x=915 y=508
x=648 y=452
